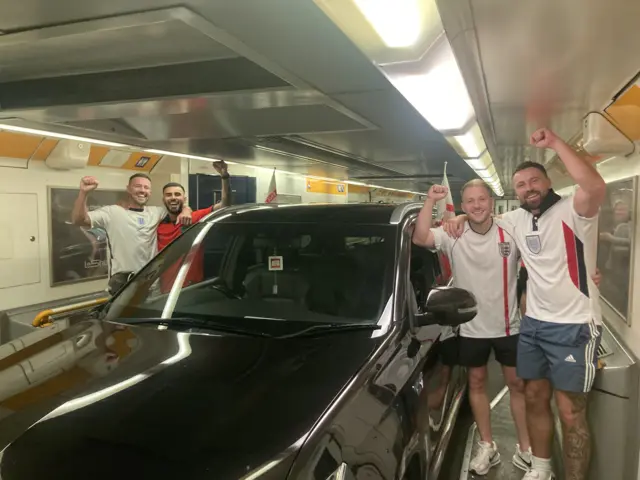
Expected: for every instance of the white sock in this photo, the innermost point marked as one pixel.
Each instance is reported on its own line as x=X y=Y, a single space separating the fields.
x=541 y=464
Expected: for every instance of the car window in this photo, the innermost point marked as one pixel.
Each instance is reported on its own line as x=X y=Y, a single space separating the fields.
x=301 y=272
x=424 y=270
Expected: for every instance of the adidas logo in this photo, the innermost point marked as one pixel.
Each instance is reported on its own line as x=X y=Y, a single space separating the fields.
x=570 y=359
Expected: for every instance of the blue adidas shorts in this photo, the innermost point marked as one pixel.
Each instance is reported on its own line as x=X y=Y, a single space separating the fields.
x=566 y=354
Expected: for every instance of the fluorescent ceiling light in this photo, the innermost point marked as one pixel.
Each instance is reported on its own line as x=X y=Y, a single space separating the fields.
x=488 y=172
x=439 y=93
x=117 y=156
x=397 y=22
x=494 y=178
x=472 y=142
x=186 y=155
x=478 y=163
x=44 y=133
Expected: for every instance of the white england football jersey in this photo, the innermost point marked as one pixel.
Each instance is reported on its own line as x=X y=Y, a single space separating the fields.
x=487 y=266
x=559 y=249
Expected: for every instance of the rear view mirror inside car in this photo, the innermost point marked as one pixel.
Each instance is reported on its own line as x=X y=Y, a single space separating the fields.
x=448 y=306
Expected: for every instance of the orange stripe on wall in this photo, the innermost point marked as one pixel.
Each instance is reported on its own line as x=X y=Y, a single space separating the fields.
x=18 y=145
x=625 y=112
x=45 y=149
x=358 y=189
x=96 y=155
x=133 y=159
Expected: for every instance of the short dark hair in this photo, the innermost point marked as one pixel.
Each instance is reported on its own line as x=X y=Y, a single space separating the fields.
x=139 y=175
x=529 y=164
x=173 y=184
x=476 y=182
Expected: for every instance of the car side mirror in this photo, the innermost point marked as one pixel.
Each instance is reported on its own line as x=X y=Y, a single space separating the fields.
x=448 y=306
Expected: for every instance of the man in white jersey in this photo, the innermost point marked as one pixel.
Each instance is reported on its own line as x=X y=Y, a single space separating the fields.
x=484 y=260
x=561 y=331
x=130 y=226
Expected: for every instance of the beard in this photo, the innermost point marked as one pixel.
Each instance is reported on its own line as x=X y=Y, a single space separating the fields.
x=174 y=208
x=535 y=201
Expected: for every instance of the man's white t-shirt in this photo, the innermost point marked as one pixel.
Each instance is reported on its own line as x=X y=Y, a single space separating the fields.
x=487 y=266
x=559 y=250
x=131 y=233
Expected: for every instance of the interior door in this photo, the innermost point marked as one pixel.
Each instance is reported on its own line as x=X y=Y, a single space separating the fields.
x=19 y=243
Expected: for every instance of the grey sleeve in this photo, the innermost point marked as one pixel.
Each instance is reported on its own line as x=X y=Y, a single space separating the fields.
x=101 y=217
x=443 y=242
x=157 y=214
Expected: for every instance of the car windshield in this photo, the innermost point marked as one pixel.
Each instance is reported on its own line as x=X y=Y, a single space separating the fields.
x=247 y=273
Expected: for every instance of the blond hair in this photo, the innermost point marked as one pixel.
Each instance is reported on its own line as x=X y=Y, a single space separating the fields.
x=476 y=182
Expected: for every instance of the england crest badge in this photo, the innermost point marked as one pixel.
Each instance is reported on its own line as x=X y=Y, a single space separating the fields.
x=533 y=243
x=504 y=248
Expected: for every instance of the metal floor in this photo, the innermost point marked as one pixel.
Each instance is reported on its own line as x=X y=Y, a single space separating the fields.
x=464 y=441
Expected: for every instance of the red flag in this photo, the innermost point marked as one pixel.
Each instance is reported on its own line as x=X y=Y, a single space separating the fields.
x=273 y=191
x=445 y=206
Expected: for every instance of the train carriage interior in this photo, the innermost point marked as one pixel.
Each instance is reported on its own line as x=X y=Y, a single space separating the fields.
x=351 y=103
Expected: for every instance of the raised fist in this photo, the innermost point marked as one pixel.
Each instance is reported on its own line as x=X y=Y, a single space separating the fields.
x=437 y=192
x=543 y=138
x=221 y=167
x=88 y=184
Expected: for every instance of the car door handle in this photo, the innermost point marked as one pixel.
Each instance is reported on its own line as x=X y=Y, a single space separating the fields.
x=341 y=473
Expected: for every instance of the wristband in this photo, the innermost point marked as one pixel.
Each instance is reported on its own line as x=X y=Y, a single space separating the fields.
x=224 y=177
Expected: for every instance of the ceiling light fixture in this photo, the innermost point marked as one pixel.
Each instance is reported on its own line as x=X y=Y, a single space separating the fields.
x=397 y=22
x=186 y=155
x=45 y=133
x=471 y=142
x=438 y=93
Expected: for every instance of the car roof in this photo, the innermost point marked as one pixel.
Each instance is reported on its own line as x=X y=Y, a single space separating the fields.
x=353 y=213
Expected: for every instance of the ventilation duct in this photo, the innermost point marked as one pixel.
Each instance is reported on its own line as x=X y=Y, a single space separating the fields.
x=69 y=155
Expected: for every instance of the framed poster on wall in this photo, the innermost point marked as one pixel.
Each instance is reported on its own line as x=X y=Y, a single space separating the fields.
x=77 y=254
x=616 y=238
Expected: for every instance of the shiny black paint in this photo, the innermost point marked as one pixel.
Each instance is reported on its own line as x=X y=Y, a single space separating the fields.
x=363 y=214
x=230 y=405
x=236 y=407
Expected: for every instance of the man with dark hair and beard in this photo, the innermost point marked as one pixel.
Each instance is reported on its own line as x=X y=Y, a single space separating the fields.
x=130 y=226
x=173 y=195
x=560 y=333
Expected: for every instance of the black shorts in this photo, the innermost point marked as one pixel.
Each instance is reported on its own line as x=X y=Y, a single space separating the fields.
x=475 y=352
x=521 y=287
x=449 y=351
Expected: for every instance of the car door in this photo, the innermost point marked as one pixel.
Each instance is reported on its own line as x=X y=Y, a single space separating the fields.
x=375 y=434
x=441 y=379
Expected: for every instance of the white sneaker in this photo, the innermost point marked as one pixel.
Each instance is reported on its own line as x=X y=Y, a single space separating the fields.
x=538 y=475
x=521 y=459
x=486 y=457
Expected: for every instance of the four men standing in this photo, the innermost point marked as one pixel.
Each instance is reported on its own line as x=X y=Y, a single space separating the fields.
x=552 y=350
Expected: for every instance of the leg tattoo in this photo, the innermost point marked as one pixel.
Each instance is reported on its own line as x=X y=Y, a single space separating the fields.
x=577 y=440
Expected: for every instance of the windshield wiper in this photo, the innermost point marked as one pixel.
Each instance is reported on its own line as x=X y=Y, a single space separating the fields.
x=331 y=328
x=194 y=323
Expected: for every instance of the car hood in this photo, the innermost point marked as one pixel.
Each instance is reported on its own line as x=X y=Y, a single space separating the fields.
x=129 y=402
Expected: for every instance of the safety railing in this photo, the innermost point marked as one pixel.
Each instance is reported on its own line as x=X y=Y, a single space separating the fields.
x=43 y=318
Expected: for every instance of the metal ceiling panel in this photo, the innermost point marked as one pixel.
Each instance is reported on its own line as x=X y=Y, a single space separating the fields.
x=236 y=123
x=544 y=63
x=243 y=100
x=187 y=79
x=121 y=42
x=292 y=71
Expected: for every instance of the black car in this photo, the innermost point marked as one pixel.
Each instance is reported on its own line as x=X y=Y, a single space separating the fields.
x=267 y=342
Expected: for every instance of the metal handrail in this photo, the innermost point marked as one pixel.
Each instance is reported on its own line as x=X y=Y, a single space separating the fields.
x=43 y=319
